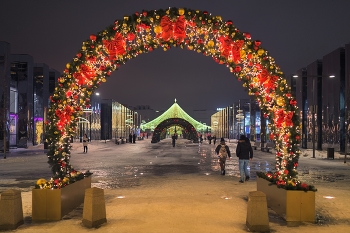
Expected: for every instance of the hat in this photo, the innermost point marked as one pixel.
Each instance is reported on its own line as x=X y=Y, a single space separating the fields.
x=222 y=140
x=242 y=137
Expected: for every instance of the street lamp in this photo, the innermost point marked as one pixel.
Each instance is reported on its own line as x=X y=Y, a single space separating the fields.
x=313 y=108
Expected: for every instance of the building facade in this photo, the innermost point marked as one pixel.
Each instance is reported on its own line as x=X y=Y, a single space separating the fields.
x=5 y=77
x=321 y=91
x=21 y=116
x=242 y=117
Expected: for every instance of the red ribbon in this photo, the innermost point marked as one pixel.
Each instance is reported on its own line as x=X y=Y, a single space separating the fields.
x=115 y=46
x=176 y=30
x=229 y=47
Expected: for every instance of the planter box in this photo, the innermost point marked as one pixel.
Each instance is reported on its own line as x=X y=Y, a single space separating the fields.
x=53 y=204
x=292 y=205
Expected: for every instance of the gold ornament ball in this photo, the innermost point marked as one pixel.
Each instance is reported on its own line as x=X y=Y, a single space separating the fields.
x=261 y=52
x=280 y=101
x=211 y=43
x=181 y=11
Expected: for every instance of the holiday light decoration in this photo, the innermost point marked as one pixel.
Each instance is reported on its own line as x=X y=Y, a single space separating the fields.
x=194 y=30
x=187 y=129
x=175 y=111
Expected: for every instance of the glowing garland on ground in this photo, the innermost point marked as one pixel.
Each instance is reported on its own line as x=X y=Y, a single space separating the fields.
x=188 y=29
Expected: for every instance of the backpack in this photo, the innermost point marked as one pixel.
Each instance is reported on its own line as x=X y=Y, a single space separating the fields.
x=223 y=152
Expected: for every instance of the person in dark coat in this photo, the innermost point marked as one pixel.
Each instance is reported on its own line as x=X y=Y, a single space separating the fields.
x=173 y=138
x=214 y=140
x=130 y=138
x=222 y=151
x=209 y=138
x=244 y=152
x=134 y=138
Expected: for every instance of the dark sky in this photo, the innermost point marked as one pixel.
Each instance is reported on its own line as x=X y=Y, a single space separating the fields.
x=295 y=33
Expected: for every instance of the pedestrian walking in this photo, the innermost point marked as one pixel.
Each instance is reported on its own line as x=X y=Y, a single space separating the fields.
x=214 y=139
x=134 y=138
x=223 y=151
x=85 y=143
x=244 y=152
x=130 y=138
x=209 y=138
x=173 y=139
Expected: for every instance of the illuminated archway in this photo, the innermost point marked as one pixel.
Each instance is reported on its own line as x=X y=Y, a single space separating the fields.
x=189 y=29
x=189 y=130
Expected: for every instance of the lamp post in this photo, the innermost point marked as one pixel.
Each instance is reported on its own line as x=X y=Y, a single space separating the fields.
x=313 y=112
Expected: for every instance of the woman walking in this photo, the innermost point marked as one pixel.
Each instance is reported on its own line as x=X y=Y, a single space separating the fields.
x=85 y=143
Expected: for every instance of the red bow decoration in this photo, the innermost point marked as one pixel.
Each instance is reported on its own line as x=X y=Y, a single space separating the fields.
x=84 y=75
x=176 y=30
x=282 y=116
x=115 y=46
x=268 y=82
x=229 y=47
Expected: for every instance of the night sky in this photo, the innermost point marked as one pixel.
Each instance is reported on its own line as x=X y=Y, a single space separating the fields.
x=296 y=33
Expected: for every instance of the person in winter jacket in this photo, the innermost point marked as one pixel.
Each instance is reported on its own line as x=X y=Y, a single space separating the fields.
x=85 y=143
x=244 y=152
x=223 y=152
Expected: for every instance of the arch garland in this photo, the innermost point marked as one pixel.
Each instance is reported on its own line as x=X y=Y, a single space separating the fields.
x=194 y=30
x=189 y=129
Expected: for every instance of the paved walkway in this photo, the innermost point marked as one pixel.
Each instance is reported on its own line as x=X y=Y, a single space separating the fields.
x=153 y=193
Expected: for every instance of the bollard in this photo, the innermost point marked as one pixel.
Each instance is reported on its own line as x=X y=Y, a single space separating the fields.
x=11 y=211
x=94 y=212
x=257 y=214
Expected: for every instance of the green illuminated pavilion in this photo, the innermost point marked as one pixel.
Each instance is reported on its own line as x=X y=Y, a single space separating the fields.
x=175 y=111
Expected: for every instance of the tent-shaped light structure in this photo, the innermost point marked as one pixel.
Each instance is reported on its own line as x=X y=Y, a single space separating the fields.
x=175 y=111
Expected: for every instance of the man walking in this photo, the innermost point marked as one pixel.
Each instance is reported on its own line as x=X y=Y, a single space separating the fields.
x=222 y=151
x=244 y=152
x=173 y=138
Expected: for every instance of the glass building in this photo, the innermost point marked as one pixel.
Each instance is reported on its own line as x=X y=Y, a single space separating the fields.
x=5 y=64
x=21 y=115
x=40 y=101
x=322 y=93
x=242 y=117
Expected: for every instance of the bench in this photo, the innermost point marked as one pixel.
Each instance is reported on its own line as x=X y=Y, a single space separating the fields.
x=268 y=146
x=256 y=145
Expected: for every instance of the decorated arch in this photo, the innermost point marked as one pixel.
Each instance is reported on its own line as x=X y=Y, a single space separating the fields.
x=188 y=129
x=175 y=111
x=195 y=30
